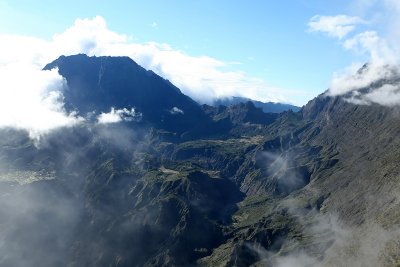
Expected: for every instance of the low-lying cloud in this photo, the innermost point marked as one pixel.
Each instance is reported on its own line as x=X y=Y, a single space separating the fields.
x=372 y=83
x=378 y=80
x=32 y=100
x=334 y=243
x=48 y=213
x=118 y=115
x=176 y=110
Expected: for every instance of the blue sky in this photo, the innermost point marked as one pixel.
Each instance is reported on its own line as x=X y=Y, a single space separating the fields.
x=267 y=40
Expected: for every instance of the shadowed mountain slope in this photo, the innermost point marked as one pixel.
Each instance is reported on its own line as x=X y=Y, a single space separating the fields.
x=95 y=84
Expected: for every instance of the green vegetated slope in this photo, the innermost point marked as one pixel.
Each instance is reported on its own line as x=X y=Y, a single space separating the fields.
x=341 y=205
x=319 y=186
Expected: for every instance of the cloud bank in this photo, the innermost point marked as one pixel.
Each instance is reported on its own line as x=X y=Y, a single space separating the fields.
x=201 y=77
x=31 y=99
x=378 y=80
x=118 y=115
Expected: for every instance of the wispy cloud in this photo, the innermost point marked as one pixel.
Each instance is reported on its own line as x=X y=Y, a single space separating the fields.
x=335 y=26
x=176 y=110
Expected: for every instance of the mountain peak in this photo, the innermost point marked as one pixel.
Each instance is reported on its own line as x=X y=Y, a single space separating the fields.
x=97 y=84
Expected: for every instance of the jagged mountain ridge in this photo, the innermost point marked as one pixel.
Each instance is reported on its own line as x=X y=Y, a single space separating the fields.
x=266 y=106
x=266 y=189
x=240 y=113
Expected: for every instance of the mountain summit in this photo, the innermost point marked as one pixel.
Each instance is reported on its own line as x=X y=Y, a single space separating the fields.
x=97 y=84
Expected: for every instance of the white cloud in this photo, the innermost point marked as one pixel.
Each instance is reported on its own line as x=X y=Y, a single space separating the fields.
x=370 y=43
x=111 y=117
x=201 y=77
x=335 y=26
x=118 y=115
x=357 y=77
x=296 y=260
x=31 y=99
x=176 y=110
x=377 y=82
x=386 y=95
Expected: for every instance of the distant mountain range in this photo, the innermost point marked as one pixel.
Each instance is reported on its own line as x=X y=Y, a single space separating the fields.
x=265 y=106
x=199 y=185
